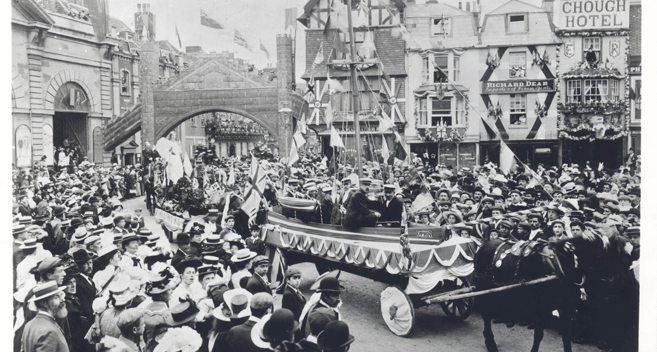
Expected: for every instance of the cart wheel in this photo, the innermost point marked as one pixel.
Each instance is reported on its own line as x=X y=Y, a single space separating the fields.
x=459 y=309
x=397 y=310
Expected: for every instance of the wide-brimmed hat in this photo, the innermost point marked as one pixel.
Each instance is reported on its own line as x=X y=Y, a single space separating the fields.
x=46 y=290
x=181 y=313
x=458 y=216
x=273 y=326
x=80 y=235
x=160 y=281
x=194 y=262
x=107 y=250
x=132 y=237
x=235 y=300
x=243 y=254
x=213 y=240
x=335 y=335
x=121 y=290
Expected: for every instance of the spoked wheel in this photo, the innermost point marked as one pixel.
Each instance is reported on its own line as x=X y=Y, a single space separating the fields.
x=458 y=309
x=397 y=310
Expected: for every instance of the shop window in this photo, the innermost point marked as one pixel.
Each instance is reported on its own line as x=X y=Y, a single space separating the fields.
x=516 y=23
x=441 y=26
x=592 y=44
x=441 y=71
x=614 y=90
x=595 y=90
x=517 y=64
x=574 y=94
x=125 y=82
x=426 y=70
x=518 y=109
x=441 y=112
x=457 y=68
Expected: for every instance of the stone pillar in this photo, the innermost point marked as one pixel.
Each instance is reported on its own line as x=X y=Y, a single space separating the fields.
x=245 y=149
x=148 y=74
x=285 y=80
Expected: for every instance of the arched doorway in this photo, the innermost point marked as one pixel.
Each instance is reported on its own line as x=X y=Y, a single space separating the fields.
x=231 y=152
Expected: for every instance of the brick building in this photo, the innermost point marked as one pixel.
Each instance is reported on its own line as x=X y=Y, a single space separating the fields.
x=380 y=48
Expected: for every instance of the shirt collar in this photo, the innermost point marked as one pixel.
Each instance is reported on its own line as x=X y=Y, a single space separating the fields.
x=311 y=338
x=46 y=314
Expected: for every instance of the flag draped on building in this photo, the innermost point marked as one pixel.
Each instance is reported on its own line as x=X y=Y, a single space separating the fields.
x=207 y=21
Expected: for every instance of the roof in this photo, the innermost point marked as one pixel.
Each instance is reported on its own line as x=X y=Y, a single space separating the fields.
x=165 y=45
x=31 y=9
x=515 y=6
x=119 y=25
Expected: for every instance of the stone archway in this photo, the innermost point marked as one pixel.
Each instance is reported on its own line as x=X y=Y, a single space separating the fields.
x=61 y=79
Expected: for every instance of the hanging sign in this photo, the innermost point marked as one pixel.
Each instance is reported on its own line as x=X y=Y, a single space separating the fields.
x=23 y=146
x=518 y=86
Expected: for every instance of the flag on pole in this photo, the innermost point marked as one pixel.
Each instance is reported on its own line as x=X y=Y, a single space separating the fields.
x=319 y=58
x=262 y=47
x=507 y=158
x=303 y=125
x=225 y=212
x=298 y=139
x=336 y=141
x=207 y=21
x=400 y=152
x=328 y=114
x=294 y=154
x=489 y=130
x=178 y=35
x=385 y=152
x=258 y=175
x=291 y=18
x=252 y=204
x=239 y=39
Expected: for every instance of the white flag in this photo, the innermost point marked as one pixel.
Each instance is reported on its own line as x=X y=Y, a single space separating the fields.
x=385 y=152
x=507 y=158
x=336 y=141
x=303 y=124
x=298 y=139
x=231 y=177
x=328 y=114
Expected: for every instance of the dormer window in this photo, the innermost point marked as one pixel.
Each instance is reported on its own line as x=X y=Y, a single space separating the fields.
x=516 y=23
x=441 y=26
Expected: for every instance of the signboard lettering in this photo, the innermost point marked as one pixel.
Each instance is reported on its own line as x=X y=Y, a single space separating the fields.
x=171 y=221
x=518 y=86
x=592 y=14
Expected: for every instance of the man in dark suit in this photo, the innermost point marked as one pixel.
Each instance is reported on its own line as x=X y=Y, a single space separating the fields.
x=358 y=214
x=239 y=337
x=393 y=207
x=86 y=293
x=259 y=282
x=42 y=333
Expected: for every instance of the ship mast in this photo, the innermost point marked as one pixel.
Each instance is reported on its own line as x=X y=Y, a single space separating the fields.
x=354 y=90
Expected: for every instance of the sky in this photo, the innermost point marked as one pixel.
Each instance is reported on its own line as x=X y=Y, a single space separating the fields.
x=256 y=20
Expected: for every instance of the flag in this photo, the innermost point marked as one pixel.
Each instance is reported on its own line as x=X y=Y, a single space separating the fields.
x=178 y=35
x=489 y=130
x=500 y=127
x=319 y=58
x=400 y=152
x=303 y=127
x=327 y=28
x=328 y=114
x=507 y=158
x=385 y=152
x=225 y=212
x=385 y=122
x=252 y=204
x=262 y=47
x=258 y=175
x=294 y=154
x=209 y=22
x=291 y=18
x=336 y=141
x=231 y=177
x=337 y=43
x=299 y=141
x=239 y=40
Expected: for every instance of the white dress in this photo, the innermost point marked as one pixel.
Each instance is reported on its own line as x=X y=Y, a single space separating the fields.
x=171 y=153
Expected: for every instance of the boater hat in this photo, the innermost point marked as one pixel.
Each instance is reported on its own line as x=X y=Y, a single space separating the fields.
x=242 y=255
x=46 y=290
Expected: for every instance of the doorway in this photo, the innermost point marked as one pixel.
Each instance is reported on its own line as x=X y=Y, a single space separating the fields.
x=70 y=129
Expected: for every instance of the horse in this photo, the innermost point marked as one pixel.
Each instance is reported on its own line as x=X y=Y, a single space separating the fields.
x=598 y=262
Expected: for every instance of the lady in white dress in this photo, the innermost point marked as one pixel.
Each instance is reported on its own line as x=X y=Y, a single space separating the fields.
x=189 y=285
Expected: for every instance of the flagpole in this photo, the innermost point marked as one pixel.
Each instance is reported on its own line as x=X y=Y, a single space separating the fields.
x=354 y=90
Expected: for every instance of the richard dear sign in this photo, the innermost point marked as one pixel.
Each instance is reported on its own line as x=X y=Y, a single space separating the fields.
x=518 y=86
x=592 y=14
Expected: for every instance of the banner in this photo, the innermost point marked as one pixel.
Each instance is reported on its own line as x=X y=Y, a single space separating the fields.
x=172 y=222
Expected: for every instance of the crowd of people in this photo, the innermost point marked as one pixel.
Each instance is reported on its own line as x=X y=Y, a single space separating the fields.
x=89 y=275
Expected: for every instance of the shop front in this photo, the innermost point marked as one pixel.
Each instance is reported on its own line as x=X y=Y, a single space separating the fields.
x=454 y=155
x=532 y=153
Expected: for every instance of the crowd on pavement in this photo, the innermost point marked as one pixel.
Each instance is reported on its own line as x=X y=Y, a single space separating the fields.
x=89 y=275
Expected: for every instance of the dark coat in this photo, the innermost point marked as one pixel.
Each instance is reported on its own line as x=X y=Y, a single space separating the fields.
x=309 y=346
x=239 y=338
x=79 y=324
x=294 y=301
x=43 y=334
x=257 y=284
x=86 y=293
x=356 y=209
x=394 y=210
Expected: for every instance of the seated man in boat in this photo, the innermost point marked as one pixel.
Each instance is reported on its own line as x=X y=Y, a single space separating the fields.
x=358 y=215
x=393 y=207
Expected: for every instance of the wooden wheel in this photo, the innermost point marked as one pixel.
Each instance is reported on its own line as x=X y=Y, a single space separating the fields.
x=397 y=311
x=459 y=309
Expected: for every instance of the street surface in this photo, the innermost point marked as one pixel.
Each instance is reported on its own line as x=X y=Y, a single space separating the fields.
x=433 y=330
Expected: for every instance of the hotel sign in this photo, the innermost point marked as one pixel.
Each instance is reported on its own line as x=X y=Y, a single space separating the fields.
x=591 y=14
x=518 y=86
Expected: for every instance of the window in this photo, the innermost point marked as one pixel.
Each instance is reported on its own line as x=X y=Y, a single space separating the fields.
x=457 y=68
x=422 y=112
x=125 y=82
x=441 y=71
x=518 y=109
x=441 y=26
x=341 y=102
x=574 y=94
x=594 y=43
x=517 y=64
x=441 y=112
x=614 y=91
x=517 y=23
x=426 y=70
x=595 y=90
x=460 y=112
x=193 y=120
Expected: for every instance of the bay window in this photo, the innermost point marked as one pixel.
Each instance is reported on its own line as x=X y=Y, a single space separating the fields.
x=596 y=90
x=457 y=68
x=574 y=93
x=449 y=111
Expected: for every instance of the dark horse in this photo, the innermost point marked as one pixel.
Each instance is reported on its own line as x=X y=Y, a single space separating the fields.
x=599 y=265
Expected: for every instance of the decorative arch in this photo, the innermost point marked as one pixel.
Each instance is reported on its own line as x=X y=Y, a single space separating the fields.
x=174 y=122
x=62 y=78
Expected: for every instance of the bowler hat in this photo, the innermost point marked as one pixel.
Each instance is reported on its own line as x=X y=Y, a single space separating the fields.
x=81 y=256
x=335 y=335
x=272 y=327
x=330 y=284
